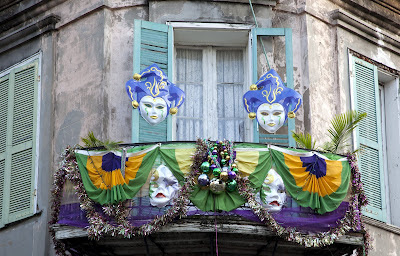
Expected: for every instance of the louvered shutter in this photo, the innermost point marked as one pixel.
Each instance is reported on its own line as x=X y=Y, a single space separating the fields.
x=283 y=135
x=369 y=138
x=18 y=129
x=152 y=44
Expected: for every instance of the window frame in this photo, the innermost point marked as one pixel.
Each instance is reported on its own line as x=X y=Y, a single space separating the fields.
x=247 y=59
x=157 y=48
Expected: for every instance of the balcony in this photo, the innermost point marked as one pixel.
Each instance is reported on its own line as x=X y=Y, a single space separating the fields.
x=138 y=226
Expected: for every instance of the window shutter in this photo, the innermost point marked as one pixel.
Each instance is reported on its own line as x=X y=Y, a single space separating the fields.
x=152 y=44
x=17 y=158
x=369 y=138
x=284 y=137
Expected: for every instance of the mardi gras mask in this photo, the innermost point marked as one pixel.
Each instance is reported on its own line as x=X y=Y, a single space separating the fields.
x=163 y=186
x=271 y=102
x=272 y=193
x=153 y=110
x=154 y=94
x=271 y=116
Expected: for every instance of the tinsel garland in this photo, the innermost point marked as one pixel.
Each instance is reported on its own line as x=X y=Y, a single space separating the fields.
x=100 y=226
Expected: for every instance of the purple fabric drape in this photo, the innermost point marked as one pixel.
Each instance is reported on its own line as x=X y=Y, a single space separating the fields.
x=303 y=219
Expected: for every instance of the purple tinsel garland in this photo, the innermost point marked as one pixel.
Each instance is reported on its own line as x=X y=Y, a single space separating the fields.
x=99 y=226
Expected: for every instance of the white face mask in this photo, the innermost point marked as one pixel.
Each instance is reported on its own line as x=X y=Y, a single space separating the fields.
x=153 y=110
x=272 y=193
x=163 y=187
x=271 y=117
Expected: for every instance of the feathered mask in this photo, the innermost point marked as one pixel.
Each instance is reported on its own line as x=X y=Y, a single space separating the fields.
x=154 y=94
x=271 y=101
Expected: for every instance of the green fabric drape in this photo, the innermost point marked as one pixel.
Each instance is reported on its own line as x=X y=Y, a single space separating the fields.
x=321 y=202
x=118 y=192
x=324 y=196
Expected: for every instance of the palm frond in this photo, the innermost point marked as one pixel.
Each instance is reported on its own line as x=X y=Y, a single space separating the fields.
x=91 y=141
x=110 y=145
x=304 y=140
x=342 y=126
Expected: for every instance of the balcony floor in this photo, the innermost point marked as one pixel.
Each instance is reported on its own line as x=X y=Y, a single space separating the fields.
x=197 y=236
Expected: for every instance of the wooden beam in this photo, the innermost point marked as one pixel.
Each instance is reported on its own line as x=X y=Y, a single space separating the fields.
x=196 y=226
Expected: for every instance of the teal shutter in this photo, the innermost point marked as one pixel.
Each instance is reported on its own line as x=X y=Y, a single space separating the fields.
x=284 y=138
x=18 y=96
x=369 y=138
x=152 y=44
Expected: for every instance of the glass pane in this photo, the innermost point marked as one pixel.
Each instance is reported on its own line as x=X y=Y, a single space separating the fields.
x=230 y=89
x=189 y=77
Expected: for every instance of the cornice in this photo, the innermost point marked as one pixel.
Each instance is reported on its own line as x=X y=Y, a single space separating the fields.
x=368 y=31
x=28 y=32
x=383 y=13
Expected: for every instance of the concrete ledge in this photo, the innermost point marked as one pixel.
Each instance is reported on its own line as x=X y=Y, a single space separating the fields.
x=382 y=225
x=28 y=32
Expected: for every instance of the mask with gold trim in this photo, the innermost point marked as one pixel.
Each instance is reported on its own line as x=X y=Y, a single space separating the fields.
x=271 y=101
x=154 y=94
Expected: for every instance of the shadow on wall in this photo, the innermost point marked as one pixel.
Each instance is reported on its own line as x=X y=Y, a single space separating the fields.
x=69 y=130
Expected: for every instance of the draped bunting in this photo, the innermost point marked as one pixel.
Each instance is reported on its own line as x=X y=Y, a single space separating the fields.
x=102 y=177
x=178 y=160
x=312 y=180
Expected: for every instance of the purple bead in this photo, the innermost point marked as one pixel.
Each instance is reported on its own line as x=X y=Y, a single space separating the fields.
x=231 y=175
x=213 y=166
x=203 y=180
x=214 y=152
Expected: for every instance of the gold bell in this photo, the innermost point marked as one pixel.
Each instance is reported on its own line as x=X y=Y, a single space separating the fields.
x=135 y=104
x=253 y=87
x=291 y=114
x=173 y=111
x=137 y=77
x=252 y=115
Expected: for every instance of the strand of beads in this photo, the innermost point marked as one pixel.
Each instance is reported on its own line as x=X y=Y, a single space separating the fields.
x=219 y=170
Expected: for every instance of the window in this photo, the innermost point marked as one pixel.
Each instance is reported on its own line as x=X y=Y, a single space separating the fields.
x=213 y=80
x=375 y=92
x=19 y=88
x=214 y=64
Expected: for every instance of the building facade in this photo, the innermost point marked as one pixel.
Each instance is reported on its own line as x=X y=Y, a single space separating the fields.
x=64 y=65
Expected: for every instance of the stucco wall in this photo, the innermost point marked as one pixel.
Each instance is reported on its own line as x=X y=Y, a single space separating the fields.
x=384 y=242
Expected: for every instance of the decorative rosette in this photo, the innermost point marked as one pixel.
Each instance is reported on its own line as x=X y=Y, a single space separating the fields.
x=219 y=171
